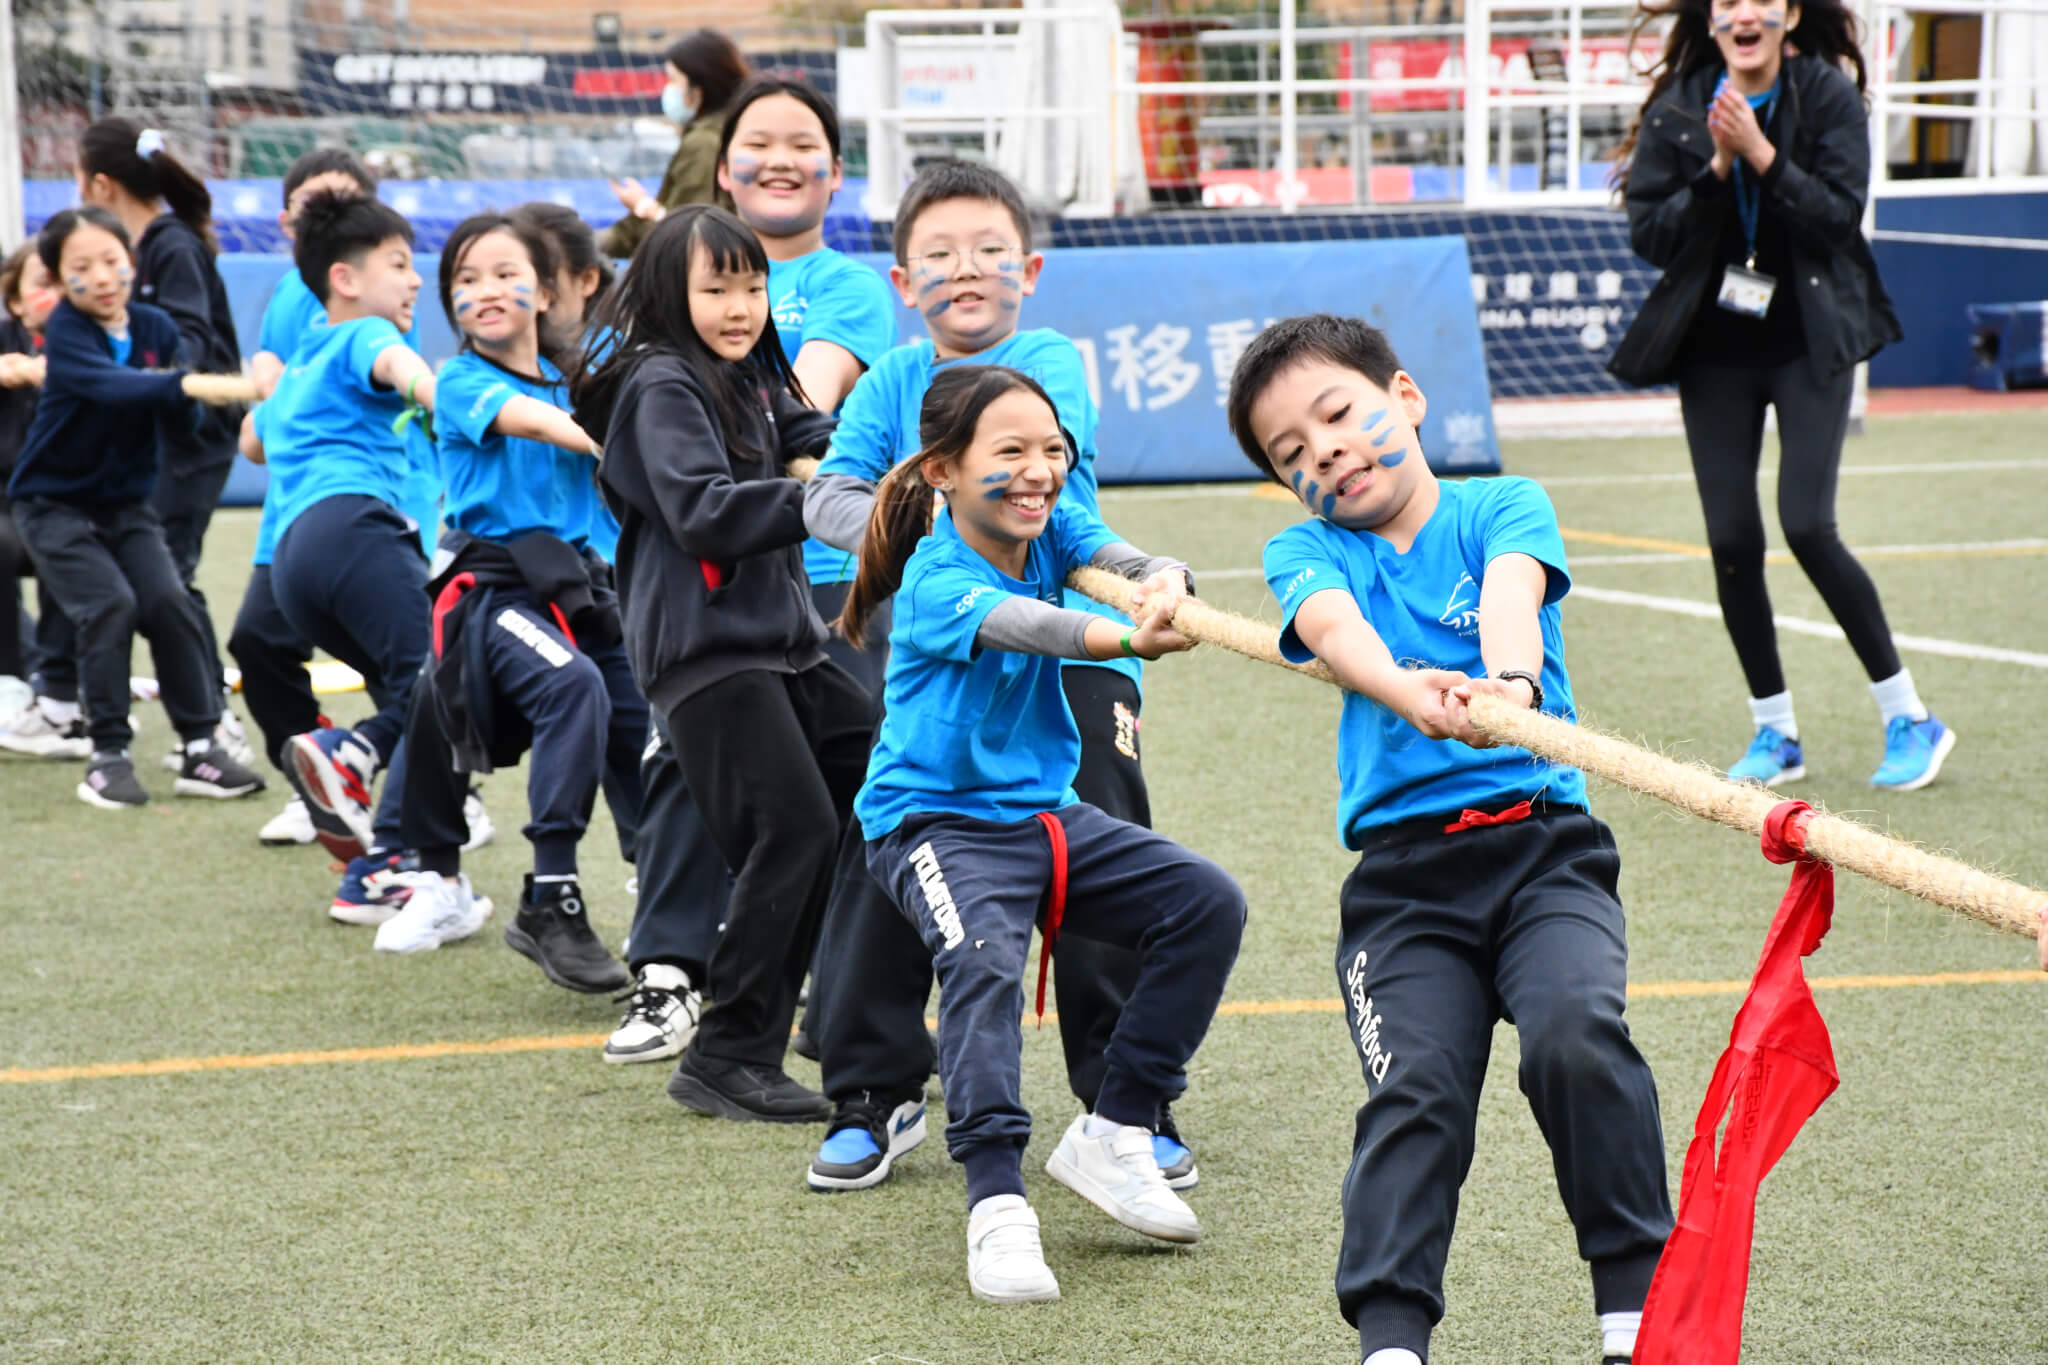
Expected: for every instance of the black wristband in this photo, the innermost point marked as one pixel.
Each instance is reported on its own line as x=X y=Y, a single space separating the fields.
x=1535 y=687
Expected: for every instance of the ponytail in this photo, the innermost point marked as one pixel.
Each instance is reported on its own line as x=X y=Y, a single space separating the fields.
x=901 y=517
x=136 y=159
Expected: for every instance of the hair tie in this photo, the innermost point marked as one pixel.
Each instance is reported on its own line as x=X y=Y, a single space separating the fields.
x=149 y=142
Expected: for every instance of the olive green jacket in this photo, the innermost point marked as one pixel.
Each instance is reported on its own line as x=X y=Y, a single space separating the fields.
x=691 y=178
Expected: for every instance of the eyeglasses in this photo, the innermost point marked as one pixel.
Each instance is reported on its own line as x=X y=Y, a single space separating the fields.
x=988 y=256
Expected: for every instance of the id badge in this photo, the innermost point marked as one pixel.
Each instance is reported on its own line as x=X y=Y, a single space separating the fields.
x=1746 y=291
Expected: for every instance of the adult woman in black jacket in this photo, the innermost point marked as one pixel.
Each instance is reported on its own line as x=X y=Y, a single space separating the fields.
x=1745 y=179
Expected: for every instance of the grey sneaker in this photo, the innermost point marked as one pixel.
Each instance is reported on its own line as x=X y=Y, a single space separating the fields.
x=110 y=783
x=214 y=772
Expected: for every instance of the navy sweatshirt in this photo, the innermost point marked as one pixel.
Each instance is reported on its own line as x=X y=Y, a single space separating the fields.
x=94 y=440
x=17 y=406
x=175 y=271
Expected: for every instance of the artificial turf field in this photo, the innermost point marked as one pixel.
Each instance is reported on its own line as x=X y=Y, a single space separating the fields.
x=527 y=1202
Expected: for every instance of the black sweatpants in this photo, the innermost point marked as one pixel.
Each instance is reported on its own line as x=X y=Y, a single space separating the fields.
x=273 y=657
x=17 y=631
x=1723 y=407
x=1443 y=935
x=350 y=578
x=109 y=570
x=777 y=759
x=875 y=975
x=185 y=501
x=587 y=719
x=974 y=889
x=684 y=882
x=56 y=648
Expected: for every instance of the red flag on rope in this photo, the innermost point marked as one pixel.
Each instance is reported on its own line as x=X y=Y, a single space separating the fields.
x=1779 y=1068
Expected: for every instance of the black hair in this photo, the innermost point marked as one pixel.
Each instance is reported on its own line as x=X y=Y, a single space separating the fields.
x=1345 y=342
x=649 y=314
x=326 y=161
x=50 y=241
x=952 y=178
x=575 y=249
x=109 y=148
x=10 y=272
x=713 y=64
x=1827 y=30
x=342 y=227
x=902 y=511
x=803 y=92
x=540 y=253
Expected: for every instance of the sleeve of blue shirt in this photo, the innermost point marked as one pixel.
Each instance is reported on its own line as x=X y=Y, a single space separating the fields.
x=864 y=442
x=1519 y=519
x=1079 y=534
x=1298 y=565
x=373 y=337
x=948 y=600
x=853 y=310
x=468 y=396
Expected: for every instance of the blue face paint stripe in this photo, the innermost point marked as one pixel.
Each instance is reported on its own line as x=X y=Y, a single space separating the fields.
x=1329 y=503
x=1393 y=458
x=1382 y=438
x=1375 y=419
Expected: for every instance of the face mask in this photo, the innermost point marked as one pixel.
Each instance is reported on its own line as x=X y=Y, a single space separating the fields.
x=672 y=105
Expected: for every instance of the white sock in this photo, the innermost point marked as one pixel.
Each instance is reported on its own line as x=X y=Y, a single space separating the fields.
x=1895 y=696
x=1096 y=1126
x=58 y=712
x=1618 y=1333
x=198 y=746
x=1394 y=1355
x=666 y=976
x=1776 y=712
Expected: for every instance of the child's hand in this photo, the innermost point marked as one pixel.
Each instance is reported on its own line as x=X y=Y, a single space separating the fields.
x=1168 y=585
x=22 y=371
x=1426 y=703
x=1514 y=691
x=1155 y=634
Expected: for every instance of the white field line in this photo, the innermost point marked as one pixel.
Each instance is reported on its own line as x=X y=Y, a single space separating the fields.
x=1247 y=488
x=1931 y=548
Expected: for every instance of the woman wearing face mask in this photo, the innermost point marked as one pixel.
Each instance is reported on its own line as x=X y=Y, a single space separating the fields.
x=704 y=69
x=1745 y=178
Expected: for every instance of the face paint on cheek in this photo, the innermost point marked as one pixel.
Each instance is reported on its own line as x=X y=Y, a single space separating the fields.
x=1392 y=459
x=522 y=294
x=462 y=302
x=745 y=169
x=821 y=169
x=997 y=485
x=1774 y=21
x=76 y=284
x=124 y=274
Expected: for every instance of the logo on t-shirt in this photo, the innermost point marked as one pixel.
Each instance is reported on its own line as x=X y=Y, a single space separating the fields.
x=1295 y=585
x=789 y=310
x=1461 y=613
x=966 y=603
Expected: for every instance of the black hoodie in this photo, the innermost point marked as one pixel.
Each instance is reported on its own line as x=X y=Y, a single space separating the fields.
x=710 y=563
x=175 y=270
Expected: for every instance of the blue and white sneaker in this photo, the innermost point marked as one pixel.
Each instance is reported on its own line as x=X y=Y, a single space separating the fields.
x=1913 y=753
x=863 y=1145
x=1772 y=760
x=1176 y=1162
x=369 y=894
x=332 y=770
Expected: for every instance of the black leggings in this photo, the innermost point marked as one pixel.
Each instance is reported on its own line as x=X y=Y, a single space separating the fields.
x=1723 y=407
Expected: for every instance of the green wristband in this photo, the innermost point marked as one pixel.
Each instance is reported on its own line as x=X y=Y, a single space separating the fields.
x=1126 y=643
x=410 y=385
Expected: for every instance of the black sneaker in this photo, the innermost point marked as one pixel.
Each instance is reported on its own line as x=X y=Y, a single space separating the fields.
x=110 y=783
x=863 y=1141
x=749 y=1091
x=802 y=1044
x=215 y=772
x=552 y=929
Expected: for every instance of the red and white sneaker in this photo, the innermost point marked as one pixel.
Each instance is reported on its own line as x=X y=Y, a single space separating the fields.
x=332 y=770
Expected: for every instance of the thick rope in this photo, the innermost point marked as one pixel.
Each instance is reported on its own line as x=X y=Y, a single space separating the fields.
x=220 y=390
x=1691 y=787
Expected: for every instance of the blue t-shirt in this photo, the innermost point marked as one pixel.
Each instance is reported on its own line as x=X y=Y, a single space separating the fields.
x=825 y=296
x=292 y=313
x=503 y=487
x=121 y=344
x=981 y=733
x=1425 y=605
x=326 y=428
x=878 y=427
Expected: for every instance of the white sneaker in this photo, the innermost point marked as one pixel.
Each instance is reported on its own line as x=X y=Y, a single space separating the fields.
x=34 y=734
x=1118 y=1173
x=661 y=1017
x=289 y=826
x=229 y=734
x=439 y=911
x=481 y=830
x=1005 y=1262
x=16 y=696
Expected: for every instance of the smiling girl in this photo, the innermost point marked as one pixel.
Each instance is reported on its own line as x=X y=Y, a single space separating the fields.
x=974 y=829
x=700 y=415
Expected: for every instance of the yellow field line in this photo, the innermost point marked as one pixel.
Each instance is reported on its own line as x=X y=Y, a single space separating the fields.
x=1671 y=547
x=562 y=1042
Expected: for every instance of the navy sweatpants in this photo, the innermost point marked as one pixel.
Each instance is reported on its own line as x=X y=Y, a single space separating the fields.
x=1443 y=935
x=273 y=657
x=975 y=888
x=350 y=578
x=588 y=723
x=185 y=500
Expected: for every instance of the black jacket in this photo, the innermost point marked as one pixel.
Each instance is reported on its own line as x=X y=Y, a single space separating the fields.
x=1678 y=210
x=710 y=563
x=99 y=427
x=176 y=272
x=17 y=406
x=473 y=577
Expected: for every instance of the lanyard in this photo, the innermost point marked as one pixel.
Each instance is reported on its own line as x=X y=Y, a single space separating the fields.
x=1749 y=198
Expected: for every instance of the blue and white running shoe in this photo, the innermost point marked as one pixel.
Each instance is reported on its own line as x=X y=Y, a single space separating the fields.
x=1772 y=760
x=1913 y=753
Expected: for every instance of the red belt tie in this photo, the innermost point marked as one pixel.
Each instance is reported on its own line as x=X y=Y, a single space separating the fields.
x=1055 y=900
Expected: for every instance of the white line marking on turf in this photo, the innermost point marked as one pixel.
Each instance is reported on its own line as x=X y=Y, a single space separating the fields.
x=1939 y=547
x=1799 y=625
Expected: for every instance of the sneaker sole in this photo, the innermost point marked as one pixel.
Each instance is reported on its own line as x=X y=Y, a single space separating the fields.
x=1185 y=1181
x=68 y=749
x=700 y=1098
x=1039 y=1296
x=366 y=916
x=1941 y=752
x=659 y=1052
x=286 y=841
x=93 y=798
x=908 y=1141
x=1064 y=1171
x=319 y=782
x=186 y=786
x=523 y=943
